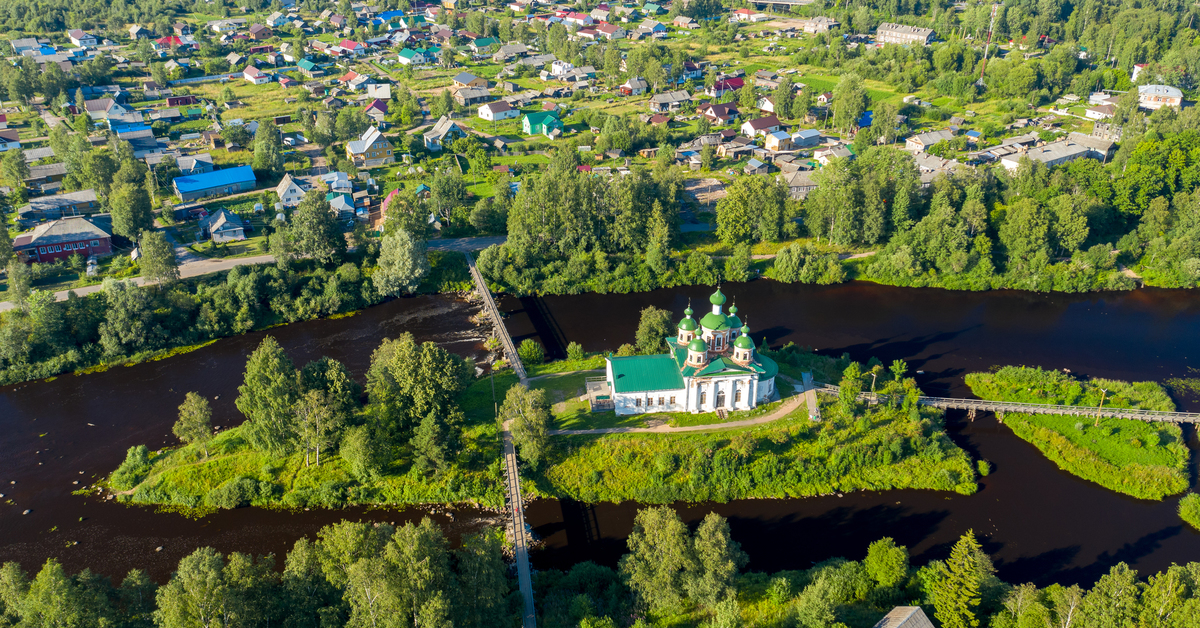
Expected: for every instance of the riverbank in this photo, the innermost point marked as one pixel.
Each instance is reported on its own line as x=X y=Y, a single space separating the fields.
x=1137 y=458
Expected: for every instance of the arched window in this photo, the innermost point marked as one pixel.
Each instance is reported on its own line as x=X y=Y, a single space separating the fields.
x=703 y=397
x=737 y=394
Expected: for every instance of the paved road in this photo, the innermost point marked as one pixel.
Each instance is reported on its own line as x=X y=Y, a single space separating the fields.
x=191 y=269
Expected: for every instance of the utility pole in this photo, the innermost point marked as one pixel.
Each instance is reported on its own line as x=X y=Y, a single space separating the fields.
x=1103 y=394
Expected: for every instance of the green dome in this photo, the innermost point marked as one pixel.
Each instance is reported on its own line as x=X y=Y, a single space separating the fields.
x=717 y=298
x=744 y=341
x=713 y=321
x=688 y=324
x=688 y=311
x=698 y=345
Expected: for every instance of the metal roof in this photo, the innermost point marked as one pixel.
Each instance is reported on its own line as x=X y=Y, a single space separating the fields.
x=645 y=373
x=214 y=179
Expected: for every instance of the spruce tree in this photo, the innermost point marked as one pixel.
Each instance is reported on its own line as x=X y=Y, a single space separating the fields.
x=956 y=589
x=429 y=445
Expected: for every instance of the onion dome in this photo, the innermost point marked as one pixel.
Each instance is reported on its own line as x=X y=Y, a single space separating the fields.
x=717 y=298
x=688 y=323
x=732 y=320
x=698 y=345
x=744 y=341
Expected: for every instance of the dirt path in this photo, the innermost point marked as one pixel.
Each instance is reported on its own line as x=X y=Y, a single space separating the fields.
x=786 y=408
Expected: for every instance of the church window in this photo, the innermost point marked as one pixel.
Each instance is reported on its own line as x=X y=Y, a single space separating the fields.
x=737 y=395
x=637 y=402
x=660 y=401
x=672 y=400
x=703 y=397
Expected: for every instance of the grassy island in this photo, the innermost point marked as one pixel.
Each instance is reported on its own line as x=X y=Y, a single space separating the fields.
x=428 y=434
x=1145 y=460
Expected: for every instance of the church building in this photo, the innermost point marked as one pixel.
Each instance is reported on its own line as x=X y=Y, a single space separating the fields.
x=711 y=365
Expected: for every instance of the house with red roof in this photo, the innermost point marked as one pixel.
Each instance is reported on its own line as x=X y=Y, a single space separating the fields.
x=353 y=47
x=3 y=121
x=377 y=110
x=725 y=86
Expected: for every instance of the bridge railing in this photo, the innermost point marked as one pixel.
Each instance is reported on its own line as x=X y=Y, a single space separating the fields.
x=1029 y=408
x=489 y=304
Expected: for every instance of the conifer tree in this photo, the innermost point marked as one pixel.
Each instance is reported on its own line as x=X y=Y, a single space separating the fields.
x=956 y=589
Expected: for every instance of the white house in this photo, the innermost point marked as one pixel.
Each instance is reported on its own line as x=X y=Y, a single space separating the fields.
x=289 y=191
x=711 y=365
x=498 y=110
x=255 y=75
x=82 y=38
x=222 y=226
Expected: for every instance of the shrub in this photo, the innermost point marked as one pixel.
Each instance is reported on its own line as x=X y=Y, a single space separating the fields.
x=133 y=470
x=531 y=352
x=235 y=493
x=1189 y=509
x=575 y=352
x=361 y=453
x=984 y=468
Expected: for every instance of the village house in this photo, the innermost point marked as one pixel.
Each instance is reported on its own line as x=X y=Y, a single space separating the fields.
x=541 y=123
x=779 y=141
x=255 y=76
x=819 y=24
x=289 y=191
x=60 y=205
x=10 y=139
x=444 y=131
x=215 y=183
x=923 y=141
x=710 y=365
x=612 y=31
x=889 y=33
x=799 y=182
x=199 y=163
x=755 y=166
x=309 y=69
x=466 y=79
x=760 y=126
x=826 y=154
x=496 y=111
x=82 y=38
x=719 y=113
x=725 y=86
x=1158 y=96
x=667 y=102
x=371 y=150
x=222 y=226
x=259 y=32
x=377 y=110
x=472 y=96
x=62 y=238
x=635 y=86
x=806 y=138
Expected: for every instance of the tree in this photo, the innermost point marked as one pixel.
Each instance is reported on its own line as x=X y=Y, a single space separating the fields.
x=653 y=328
x=403 y=263
x=352 y=122
x=314 y=229
x=531 y=352
x=316 y=423
x=886 y=563
x=362 y=453
x=1113 y=601
x=783 y=97
x=850 y=387
x=737 y=267
x=268 y=148
x=14 y=169
x=132 y=211
x=128 y=318
x=717 y=561
x=430 y=451
x=158 y=261
x=956 y=587
x=20 y=278
x=197 y=592
x=659 y=558
x=850 y=101
x=481 y=586
x=267 y=396
x=407 y=381
x=527 y=414
x=53 y=599
x=748 y=98
x=194 y=426
x=753 y=210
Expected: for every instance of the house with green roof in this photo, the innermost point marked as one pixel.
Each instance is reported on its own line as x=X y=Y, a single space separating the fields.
x=484 y=44
x=408 y=56
x=711 y=365
x=541 y=123
x=309 y=69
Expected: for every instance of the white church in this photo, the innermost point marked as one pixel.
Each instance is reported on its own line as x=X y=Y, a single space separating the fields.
x=712 y=365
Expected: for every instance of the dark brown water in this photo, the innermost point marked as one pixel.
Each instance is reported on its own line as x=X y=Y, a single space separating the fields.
x=1039 y=523
x=77 y=428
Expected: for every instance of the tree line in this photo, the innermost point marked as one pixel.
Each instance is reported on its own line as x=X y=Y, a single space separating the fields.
x=362 y=574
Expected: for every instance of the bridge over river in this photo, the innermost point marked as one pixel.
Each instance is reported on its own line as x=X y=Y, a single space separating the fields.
x=516 y=507
x=1000 y=407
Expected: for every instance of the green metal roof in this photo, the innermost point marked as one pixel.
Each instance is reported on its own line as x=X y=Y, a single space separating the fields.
x=714 y=321
x=642 y=373
x=697 y=345
x=717 y=298
x=723 y=365
x=744 y=342
x=688 y=324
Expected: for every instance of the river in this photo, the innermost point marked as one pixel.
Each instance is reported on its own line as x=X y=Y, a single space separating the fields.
x=1038 y=523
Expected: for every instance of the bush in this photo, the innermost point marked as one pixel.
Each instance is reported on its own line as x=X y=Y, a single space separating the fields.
x=531 y=352
x=133 y=470
x=1189 y=509
x=984 y=468
x=575 y=352
x=361 y=453
x=235 y=493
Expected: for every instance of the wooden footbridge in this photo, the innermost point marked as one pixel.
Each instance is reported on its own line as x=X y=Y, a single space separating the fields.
x=515 y=505
x=1001 y=407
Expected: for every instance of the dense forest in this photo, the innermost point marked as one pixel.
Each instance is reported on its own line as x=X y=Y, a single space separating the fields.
x=381 y=576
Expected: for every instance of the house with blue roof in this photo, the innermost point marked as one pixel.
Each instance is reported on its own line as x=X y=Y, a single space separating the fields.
x=215 y=183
